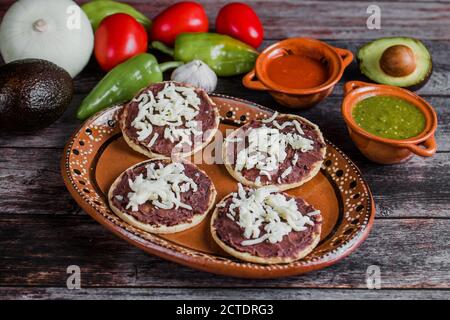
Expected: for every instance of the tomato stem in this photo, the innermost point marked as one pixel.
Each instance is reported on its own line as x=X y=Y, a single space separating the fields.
x=158 y=45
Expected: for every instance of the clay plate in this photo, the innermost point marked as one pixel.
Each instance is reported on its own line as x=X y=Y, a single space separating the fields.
x=96 y=154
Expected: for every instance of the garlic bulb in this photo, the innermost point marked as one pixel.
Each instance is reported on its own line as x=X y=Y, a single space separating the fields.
x=196 y=73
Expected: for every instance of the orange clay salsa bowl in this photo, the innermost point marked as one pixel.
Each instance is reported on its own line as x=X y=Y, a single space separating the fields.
x=383 y=150
x=298 y=72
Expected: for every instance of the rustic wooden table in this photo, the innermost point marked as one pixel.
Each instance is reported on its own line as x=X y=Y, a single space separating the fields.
x=43 y=231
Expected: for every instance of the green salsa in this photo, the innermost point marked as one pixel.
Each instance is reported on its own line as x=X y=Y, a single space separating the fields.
x=389 y=117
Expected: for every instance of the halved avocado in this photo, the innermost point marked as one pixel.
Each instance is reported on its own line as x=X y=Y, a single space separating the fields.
x=397 y=61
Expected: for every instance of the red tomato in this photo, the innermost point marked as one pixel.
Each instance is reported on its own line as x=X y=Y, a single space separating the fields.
x=239 y=21
x=186 y=16
x=118 y=38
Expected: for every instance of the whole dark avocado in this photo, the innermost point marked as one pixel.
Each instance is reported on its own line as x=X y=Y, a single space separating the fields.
x=396 y=61
x=33 y=94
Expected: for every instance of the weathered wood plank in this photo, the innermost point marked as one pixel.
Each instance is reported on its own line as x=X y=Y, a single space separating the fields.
x=36 y=248
x=30 y=183
x=36 y=251
x=327 y=115
x=338 y=19
x=439 y=83
x=54 y=136
x=326 y=112
x=37 y=293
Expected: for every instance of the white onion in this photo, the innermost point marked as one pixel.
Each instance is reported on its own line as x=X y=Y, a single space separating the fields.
x=54 y=30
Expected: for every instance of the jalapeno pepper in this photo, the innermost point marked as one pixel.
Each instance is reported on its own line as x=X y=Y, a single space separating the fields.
x=223 y=54
x=99 y=10
x=123 y=82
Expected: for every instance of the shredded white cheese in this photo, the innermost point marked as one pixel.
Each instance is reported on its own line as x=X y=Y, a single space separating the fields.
x=220 y=205
x=152 y=140
x=230 y=216
x=267 y=147
x=237 y=139
x=286 y=124
x=268 y=208
x=174 y=108
x=286 y=172
x=273 y=117
x=314 y=213
x=162 y=187
x=294 y=159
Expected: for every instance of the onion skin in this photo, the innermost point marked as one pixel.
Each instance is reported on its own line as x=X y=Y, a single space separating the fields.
x=53 y=30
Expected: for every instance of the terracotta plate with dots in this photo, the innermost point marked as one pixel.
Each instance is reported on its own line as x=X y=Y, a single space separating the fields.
x=96 y=154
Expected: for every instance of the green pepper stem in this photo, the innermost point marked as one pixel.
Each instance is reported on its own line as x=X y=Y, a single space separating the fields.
x=169 y=65
x=158 y=45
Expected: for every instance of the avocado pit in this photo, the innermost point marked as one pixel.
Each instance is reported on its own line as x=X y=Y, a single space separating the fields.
x=398 y=61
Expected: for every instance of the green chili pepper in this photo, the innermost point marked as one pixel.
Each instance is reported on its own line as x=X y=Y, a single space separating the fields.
x=223 y=54
x=123 y=82
x=99 y=10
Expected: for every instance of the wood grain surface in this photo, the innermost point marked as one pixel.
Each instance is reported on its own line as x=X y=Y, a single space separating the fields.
x=43 y=231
